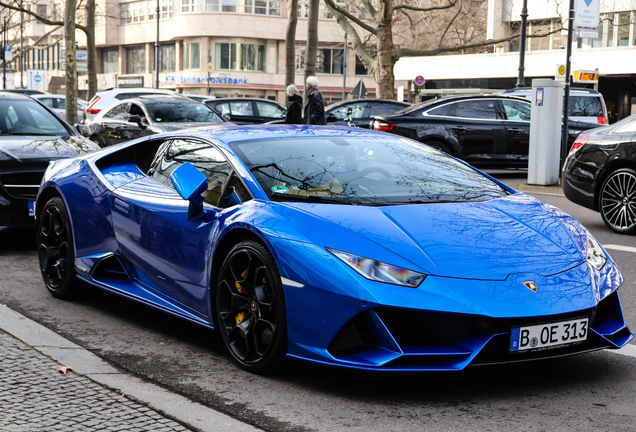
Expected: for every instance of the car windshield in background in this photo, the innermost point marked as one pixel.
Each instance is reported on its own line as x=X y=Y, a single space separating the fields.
x=181 y=112
x=585 y=106
x=27 y=117
x=366 y=171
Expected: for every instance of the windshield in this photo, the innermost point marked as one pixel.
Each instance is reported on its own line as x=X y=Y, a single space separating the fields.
x=181 y=112
x=27 y=117
x=367 y=171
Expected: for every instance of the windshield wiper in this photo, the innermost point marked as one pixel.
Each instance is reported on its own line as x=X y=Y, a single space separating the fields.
x=307 y=198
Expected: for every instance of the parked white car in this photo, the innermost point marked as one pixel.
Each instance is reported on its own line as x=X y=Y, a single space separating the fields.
x=104 y=99
x=58 y=104
x=586 y=105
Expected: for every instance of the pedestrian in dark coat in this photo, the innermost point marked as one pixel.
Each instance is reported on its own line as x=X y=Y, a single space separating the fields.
x=294 y=107
x=314 y=106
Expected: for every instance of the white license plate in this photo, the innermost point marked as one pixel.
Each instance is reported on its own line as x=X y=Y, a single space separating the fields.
x=549 y=335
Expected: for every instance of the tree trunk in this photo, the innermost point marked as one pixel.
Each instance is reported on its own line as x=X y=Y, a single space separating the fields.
x=90 y=47
x=312 y=39
x=290 y=42
x=71 y=69
x=387 y=55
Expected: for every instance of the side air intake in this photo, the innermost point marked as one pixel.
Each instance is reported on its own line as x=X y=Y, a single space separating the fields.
x=109 y=268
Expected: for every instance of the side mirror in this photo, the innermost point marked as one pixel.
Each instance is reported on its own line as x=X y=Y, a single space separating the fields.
x=331 y=118
x=227 y=117
x=190 y=183
x=83 y=130
x=136 y=118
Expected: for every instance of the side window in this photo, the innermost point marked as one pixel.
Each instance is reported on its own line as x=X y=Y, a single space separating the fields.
x=517 y=111
x=384 y=108
x=61 y=103
x=12 y=118
x=209 y=160
x=135 y=110
x=357 y=110
x=241 y=108
x=47 y=101
x=223 y=108
x=447 y=110
x=477 y=109
x=269 y=110
x=117 y=112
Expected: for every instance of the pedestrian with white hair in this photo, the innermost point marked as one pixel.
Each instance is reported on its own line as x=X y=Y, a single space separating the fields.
x=314 y=106
x=294 y=106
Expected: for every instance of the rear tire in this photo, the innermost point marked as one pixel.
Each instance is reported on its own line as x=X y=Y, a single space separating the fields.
x=55 y=249
x=250 y=308
x=617 y=201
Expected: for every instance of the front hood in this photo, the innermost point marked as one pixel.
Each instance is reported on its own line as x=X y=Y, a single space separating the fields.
x=484 y=240
x=25 y=148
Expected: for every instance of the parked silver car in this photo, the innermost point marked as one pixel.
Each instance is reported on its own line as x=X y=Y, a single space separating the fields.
x=58 y=104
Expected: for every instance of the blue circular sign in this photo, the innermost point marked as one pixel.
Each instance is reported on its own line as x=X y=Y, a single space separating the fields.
x=37 y=78
x=419 y=80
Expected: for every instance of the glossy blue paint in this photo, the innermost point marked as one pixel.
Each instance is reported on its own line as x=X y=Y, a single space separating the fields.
x=189 y=182
x=476 y=256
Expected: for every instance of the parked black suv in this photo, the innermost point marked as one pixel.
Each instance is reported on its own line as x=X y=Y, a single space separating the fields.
x=362 y=110
x=491 y=130
x=247 y=110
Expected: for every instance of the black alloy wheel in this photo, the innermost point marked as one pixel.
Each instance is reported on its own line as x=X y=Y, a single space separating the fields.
x=250 y=308
x=617 y=201
x=55 y=250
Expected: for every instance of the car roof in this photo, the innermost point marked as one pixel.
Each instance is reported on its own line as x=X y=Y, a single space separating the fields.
x=14 y=95
x=242 y=100
x=590 y=92
x=439 y=101
x=160 y=98
x=349 y=101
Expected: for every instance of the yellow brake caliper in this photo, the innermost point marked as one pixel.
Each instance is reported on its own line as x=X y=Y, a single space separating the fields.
x=240 y=317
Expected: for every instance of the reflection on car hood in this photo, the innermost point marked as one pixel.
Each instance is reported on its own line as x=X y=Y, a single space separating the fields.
x=42 y=147
x=170 y=127
x=474 y=240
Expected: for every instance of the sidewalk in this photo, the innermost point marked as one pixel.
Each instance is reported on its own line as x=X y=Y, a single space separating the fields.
x=93 y=396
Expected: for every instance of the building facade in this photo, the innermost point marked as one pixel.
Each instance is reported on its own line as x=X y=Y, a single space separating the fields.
x=234 y=47
x=613 y=54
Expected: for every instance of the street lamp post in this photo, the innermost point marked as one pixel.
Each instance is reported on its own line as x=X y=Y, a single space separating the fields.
x=157 y=48
x=566 y=91
x=4 y=52
x=522 y=44
x=344 y=69
x=22 y=47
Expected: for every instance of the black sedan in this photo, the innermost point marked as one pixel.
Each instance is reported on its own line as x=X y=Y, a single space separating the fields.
x=482 y=130
x=362 y=111
x=147 y=115
x=600 y=173
x=31 y=136
x=246 y=111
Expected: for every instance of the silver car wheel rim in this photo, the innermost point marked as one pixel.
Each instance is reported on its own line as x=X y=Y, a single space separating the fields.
x=618 y=201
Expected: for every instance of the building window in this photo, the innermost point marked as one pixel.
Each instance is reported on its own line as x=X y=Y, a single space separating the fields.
x=136 y=60
x=598 y=43
x=191 y=55
x=325 y=12
x=624 y=22
x=244 y=57
x=610 y=30
x=110 y=60
x=329 y=61
x=361 y=69
x=134 y=12
x=41 y=10
x=167 y=58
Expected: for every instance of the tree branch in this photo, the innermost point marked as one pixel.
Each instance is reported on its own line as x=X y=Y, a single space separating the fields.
x=40 y=18
x=419 y=9
x=356 y=42
x=335 y=8
x=450 y=23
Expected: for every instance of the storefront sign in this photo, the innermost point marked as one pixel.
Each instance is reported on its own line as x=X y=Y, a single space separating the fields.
x=191 y=79
x=130 y=81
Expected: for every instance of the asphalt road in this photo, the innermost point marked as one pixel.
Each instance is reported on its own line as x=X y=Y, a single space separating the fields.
x=592 y=392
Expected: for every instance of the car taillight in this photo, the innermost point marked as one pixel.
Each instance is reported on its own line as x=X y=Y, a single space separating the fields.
x=578 y=143
x=602 y=120
x=90 y=110
x=385 y=127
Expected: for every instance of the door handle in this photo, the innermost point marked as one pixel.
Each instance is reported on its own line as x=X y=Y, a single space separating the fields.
x=458 y=128
x=123 y=206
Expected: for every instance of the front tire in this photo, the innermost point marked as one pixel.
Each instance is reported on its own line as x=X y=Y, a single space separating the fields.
x=250 y=308
x=617 y=201
x=55 y=251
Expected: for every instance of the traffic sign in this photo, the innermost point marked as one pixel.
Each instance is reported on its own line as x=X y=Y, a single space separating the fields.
x=560 y=72
x=210 y=67
x=8 y=54
x=586 y=33
x=37 y=78
x=587 y=13
x=419 y=80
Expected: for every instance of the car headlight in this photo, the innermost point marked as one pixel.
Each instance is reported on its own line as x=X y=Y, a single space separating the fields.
x=379 y=271
x=594 y=254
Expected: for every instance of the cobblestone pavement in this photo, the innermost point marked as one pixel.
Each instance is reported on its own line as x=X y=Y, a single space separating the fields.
x=35 y=397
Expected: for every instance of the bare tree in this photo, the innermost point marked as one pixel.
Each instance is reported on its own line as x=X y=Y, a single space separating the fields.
x=312 y=39
x=71 y=56
x=376 y=28
x=290 y=42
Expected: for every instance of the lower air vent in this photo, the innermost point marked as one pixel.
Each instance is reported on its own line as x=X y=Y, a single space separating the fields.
x=22 y=185
x=109 y=268
x=355 y=337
